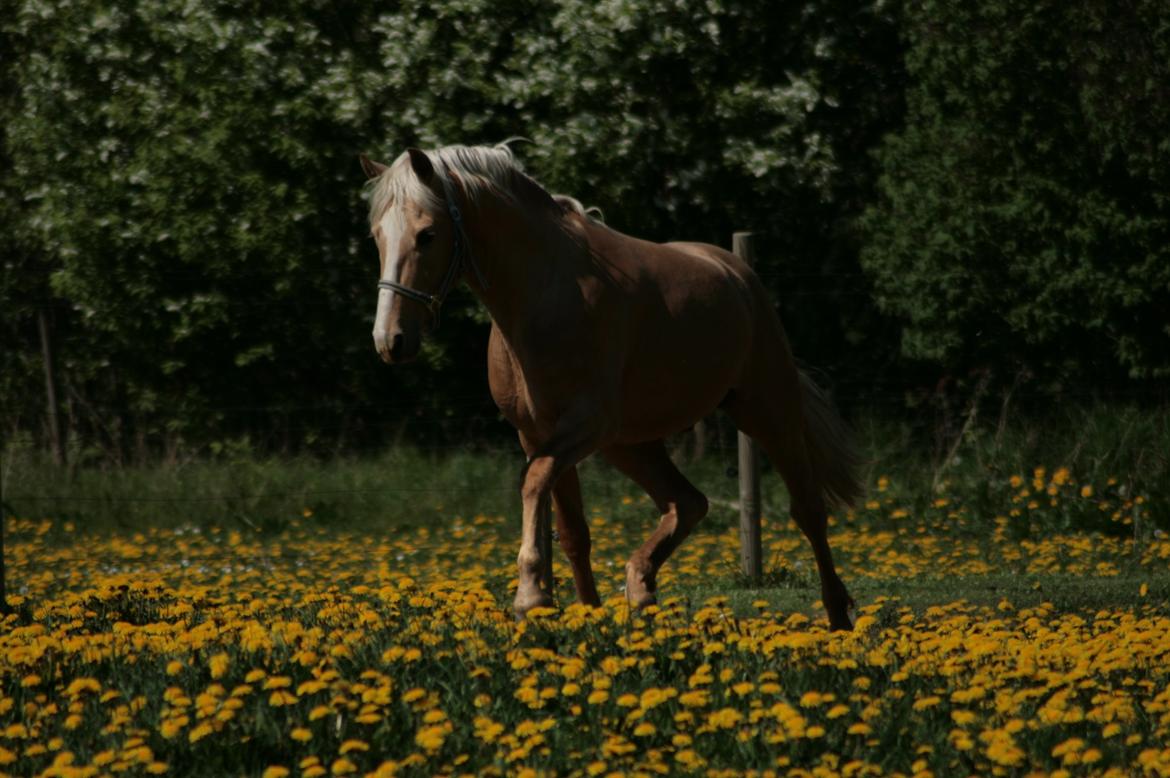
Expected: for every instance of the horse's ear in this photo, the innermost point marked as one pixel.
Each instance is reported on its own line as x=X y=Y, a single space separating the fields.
x=421 y=164
x=371 y=168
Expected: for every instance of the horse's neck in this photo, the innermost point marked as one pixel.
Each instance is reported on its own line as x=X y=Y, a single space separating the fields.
x=518 y=255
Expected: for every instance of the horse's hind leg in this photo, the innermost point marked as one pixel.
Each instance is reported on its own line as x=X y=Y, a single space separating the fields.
x=574 y=535
x=776 y=423
x=679 y=502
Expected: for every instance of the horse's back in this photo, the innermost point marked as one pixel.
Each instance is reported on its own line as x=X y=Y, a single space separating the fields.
x=689 y=315
x=768 y=361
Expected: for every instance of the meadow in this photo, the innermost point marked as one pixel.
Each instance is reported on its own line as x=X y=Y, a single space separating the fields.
x=1016 y=627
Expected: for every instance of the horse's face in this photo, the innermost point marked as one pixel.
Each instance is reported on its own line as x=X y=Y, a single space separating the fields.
x=415 y=248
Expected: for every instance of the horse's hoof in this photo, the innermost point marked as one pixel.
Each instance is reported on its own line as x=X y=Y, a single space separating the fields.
x=526 y=601
x=643 y=602
x=842 y=624
x=640 y=597
x=639 y=592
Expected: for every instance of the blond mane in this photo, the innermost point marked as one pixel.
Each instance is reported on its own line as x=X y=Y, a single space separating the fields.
x=480 y=169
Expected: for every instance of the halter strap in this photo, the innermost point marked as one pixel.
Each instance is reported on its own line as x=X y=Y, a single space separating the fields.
x=461 y=256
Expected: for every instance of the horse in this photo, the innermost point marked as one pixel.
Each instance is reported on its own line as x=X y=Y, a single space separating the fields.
x=601 y=342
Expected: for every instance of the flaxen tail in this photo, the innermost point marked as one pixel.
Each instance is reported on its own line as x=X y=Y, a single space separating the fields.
x=831 y=449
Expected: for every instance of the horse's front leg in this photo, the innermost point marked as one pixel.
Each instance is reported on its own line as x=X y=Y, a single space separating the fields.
x=575 y=437
x=574 y=534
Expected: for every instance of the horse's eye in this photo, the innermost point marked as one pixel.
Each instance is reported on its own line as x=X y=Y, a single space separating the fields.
x=424 y=238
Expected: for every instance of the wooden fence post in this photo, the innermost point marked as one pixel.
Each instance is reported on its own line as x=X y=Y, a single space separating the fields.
x=4 y=511
x=750 y=553
x=56 y=437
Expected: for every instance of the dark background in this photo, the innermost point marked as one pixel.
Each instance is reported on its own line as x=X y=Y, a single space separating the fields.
x=956 y=203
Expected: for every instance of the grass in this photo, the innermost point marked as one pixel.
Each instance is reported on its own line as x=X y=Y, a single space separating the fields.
x=316 y=651
x=272 y=618
x=407 y=485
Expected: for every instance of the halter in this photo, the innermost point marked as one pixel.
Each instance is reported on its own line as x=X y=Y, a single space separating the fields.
x=461 y=258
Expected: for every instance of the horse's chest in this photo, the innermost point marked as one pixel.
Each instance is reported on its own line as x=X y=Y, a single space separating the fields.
x=506 y=382
x=532 y=393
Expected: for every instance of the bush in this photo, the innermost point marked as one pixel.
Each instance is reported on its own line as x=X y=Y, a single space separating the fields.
x=185 y=194
x=1023 y=218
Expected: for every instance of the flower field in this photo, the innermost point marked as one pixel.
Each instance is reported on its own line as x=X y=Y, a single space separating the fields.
x=984 y=644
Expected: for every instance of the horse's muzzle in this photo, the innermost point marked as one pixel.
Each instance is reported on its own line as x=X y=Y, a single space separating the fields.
x=393 y=347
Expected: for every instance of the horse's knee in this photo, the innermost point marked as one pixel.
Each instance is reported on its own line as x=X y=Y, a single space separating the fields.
x=537 y=482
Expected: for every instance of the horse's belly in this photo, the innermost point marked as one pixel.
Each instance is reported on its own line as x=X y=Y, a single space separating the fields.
x=668 y=396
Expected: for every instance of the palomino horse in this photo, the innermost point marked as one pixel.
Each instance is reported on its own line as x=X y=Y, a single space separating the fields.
x=601 y=343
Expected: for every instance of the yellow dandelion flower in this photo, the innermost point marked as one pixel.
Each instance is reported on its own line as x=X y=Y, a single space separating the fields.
x=274 y=771
x=725 y=718
x=280 y=697
x=810 y=699
x=199 y=732
x=963 y=717
x=431 y=738
x=301 y=734
x=310 y=687
x=343 y=767
x=218 y=665
x=486 y=729
x=171 y=727
x=83 y=685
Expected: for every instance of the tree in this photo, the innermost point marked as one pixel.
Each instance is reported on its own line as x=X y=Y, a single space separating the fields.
x=184 y=188
x=1022 y=221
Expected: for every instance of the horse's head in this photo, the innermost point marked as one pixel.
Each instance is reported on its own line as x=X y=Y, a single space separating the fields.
x=418 y=250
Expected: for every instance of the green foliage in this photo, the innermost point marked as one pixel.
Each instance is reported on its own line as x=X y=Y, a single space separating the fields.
x=182 y=203
x=184 y=192
x=1120 y=452
x=1023 y=219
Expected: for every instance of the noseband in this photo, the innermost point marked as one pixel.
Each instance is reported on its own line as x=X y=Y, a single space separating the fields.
x=461 y=259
